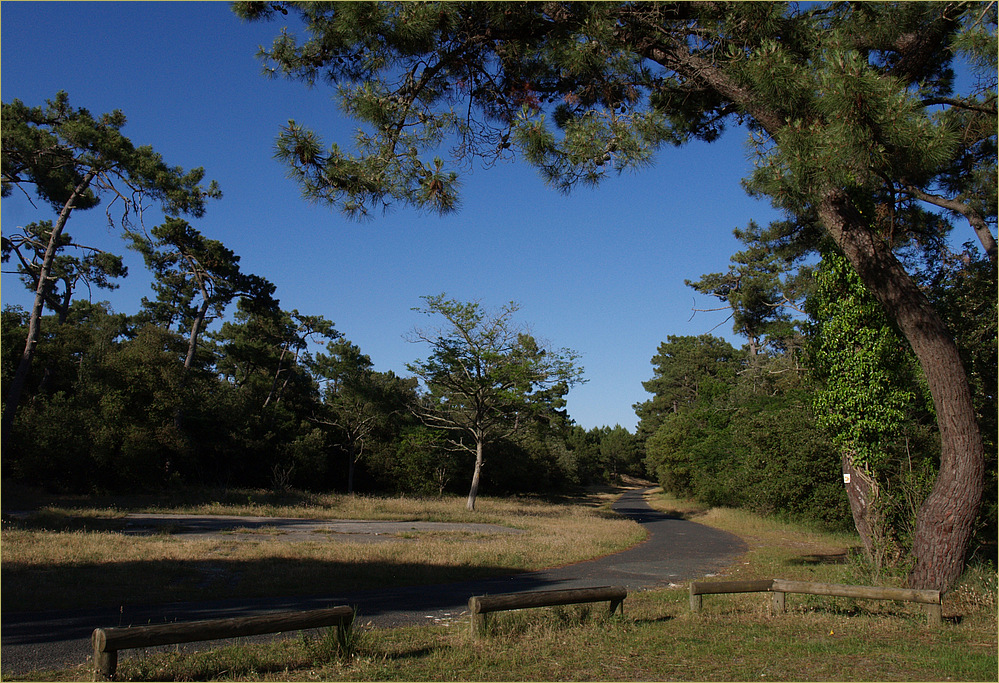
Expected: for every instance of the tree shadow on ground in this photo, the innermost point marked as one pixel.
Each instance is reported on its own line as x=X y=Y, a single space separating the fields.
x=116 y=594
x=819 y=558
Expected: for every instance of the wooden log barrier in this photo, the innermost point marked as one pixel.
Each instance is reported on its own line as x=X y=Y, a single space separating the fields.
x=480 y=605
x=779 y=587
x=930 y=598
x=699 y=588
x=108 y=641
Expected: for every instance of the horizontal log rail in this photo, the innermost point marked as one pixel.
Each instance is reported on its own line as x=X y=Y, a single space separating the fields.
x=779 y=587
x=108 y=641
x=480 y=605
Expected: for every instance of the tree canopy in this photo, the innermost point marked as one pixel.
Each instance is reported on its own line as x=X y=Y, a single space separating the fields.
x=851 y=108
x=73 y=160
x=487 y=377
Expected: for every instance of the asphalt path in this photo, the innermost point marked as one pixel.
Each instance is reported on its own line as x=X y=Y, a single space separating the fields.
x=676 y=550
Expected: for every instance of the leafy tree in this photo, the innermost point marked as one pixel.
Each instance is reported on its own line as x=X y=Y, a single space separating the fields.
x=865 y=393
x=264 y=357
x=751 y=440
x=619 y=451
x=486 y=376
x=52 y=441
x=685 y=424
x=140 y=448
x=583 y=448
x=421 y=462
x=766 y=283
x=107 y=423
x=851 y=107
x=265 y=350
x=96 y=268
x=786 y=465
x=72 y=160
x=358 y=401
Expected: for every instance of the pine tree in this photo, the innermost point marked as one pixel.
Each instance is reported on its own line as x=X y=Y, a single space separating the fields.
x=196 y=278
x=72 y=160
x=851 y=107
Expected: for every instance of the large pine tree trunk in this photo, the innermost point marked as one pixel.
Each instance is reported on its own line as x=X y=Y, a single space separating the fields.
x=946 y=519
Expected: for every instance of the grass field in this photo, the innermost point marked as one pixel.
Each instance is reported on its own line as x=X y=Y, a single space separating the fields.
x=657 y=638
x=68 y=553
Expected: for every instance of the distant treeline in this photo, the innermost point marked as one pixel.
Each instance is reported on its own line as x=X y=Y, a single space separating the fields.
x=111 y=407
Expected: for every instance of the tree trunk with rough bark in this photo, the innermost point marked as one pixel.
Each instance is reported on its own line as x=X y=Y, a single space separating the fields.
x=945 y=521
x=861 y=492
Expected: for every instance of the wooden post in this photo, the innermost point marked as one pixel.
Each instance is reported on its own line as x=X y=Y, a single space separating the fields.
x=696 y=602
x=777 y=602
x=478 y=617
x=105 y=663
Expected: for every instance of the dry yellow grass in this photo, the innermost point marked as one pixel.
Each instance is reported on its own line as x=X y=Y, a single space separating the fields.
x=45 y=568
x=657 y=638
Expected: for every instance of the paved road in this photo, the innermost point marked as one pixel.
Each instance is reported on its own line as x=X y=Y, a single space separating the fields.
x=676 y=550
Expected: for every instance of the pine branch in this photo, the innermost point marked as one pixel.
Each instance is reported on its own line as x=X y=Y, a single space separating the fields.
x=960 y=104
x=976 y=220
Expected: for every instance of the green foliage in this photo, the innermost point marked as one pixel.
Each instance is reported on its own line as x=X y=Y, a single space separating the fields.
x=195 y=278
x=95 y=269
x=56 y=148
x=766 y=283
x=863 y=365
x=738 y=430
x=854 y=118
x=872 y=401
x=112 y=407
x=691 y=456
x=421 y=463
x=486 y=377
x=71 y=159
x=359 y=403
x=687 y=371
x=395 y=74
x=789 y=468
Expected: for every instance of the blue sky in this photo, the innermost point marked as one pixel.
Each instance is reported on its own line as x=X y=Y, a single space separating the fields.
x=600 y=271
